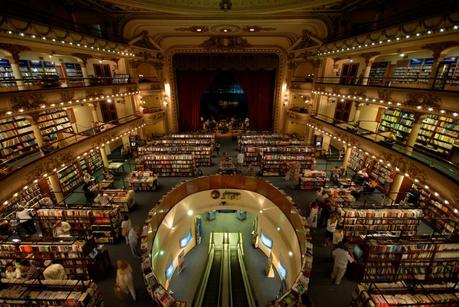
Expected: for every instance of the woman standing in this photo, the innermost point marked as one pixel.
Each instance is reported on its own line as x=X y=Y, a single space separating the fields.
x=124 y=279
x=126 y=226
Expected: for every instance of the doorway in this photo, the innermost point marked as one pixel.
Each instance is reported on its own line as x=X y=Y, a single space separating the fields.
x=349 y=73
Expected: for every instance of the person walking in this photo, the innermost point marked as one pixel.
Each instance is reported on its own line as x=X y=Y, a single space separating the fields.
x=126 y=226
x=341 y=259
x=332 y=222
x=124 y=279
x=133 y=239
x=313 y=214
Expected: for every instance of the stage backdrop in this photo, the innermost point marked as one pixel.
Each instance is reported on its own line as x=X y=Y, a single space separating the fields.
x=255 y=74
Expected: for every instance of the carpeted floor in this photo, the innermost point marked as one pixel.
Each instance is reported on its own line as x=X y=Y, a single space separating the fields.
x=322 y=291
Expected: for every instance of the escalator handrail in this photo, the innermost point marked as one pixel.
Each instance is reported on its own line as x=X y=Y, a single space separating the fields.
x=197 y=301
x=228 y=264
x=251 y=299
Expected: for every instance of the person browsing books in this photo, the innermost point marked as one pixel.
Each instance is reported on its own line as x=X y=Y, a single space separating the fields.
x=341 y=259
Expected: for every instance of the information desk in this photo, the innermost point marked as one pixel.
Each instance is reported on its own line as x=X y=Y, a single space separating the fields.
x=143 y=181
x=116 y=167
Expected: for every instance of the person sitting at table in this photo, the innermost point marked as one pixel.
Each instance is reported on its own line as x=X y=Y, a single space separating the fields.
x=336 y=172
x=62 y=229
x=357 y=192
x=361 y=176
x=102 y=199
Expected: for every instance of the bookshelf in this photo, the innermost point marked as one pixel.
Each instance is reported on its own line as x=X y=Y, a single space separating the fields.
x=453 y=72
x=383 y=176
x=252 y=153
x=94 y=160
x=74 y=73
x=313 y=179
x=167 y=164
x=26 y=198
x=6 y=74
x=274 y=164
x=100 y=222
x=357 y=161
x=438 y=134
x=202 y=154
x=72 y=254
x=69 y=178
x=362 y=222
x=439 y=215
x=378 y=72
x=19 y=292
x=411 y=259
x=412 y=71
x=398 y=122
x=143 y=181
x=405 y=294
x=53 y=122
x=16 y=138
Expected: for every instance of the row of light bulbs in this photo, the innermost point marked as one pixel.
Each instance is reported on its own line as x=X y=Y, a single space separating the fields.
x=73 y=44
x=77 y=101
x=387 y=163
x=63 y=165
x=405 y=37
x=383 y=102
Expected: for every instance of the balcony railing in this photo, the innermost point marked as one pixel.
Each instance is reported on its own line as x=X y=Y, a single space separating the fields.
x=9 y=166
x=53 y=81
x=385 y=139
x=439 y=84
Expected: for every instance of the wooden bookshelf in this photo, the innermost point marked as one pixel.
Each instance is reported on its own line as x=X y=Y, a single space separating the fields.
x=398 y=122
x=125 y=200
x=252 y=153
x=410 y=259
x=383 y=176
x=72 y=254
x=438 y=134
x=94 y=161
x=362 y=222
x=70 y=178
x=167 y=164
x=202 y=154
x=6 y=74
x=275 y=164
x=378 y=72
x=20 y=292
x=16 y=138
x=443 y=217
x=103 y=223
x=52 y=122
x=405 y=294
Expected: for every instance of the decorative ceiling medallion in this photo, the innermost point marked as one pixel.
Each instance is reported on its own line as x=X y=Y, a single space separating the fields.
x=257 y=29
x=226 y=29
x=225 y=42
x=198 y=29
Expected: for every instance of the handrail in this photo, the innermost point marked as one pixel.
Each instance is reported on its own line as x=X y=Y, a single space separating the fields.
x=59 y=144
x=47 y=81
x=251 y=299
x=427 y=83
x=225 y=297
x=388 y=142
x=197 y=301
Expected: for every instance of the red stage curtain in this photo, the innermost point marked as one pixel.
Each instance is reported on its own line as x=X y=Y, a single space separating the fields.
x=190 y=88
x=258 y=86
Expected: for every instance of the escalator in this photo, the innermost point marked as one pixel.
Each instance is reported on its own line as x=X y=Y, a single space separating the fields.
x=212 y=293
x=238 y=292
x=225 y=282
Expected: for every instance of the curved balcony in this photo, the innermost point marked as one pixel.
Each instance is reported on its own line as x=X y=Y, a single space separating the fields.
x=19 y=173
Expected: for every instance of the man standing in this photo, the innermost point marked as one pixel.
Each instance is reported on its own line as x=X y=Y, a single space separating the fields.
x=342 y=258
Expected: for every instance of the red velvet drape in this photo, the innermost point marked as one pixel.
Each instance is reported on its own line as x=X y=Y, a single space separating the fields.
x=190 y=88
x=258 y=86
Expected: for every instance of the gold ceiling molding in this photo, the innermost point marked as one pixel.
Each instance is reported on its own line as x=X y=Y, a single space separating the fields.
x=15 y=50
x=423 y=99
x=193 y=29
x=225 y=42
x=384 y=94
x=27 y=102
